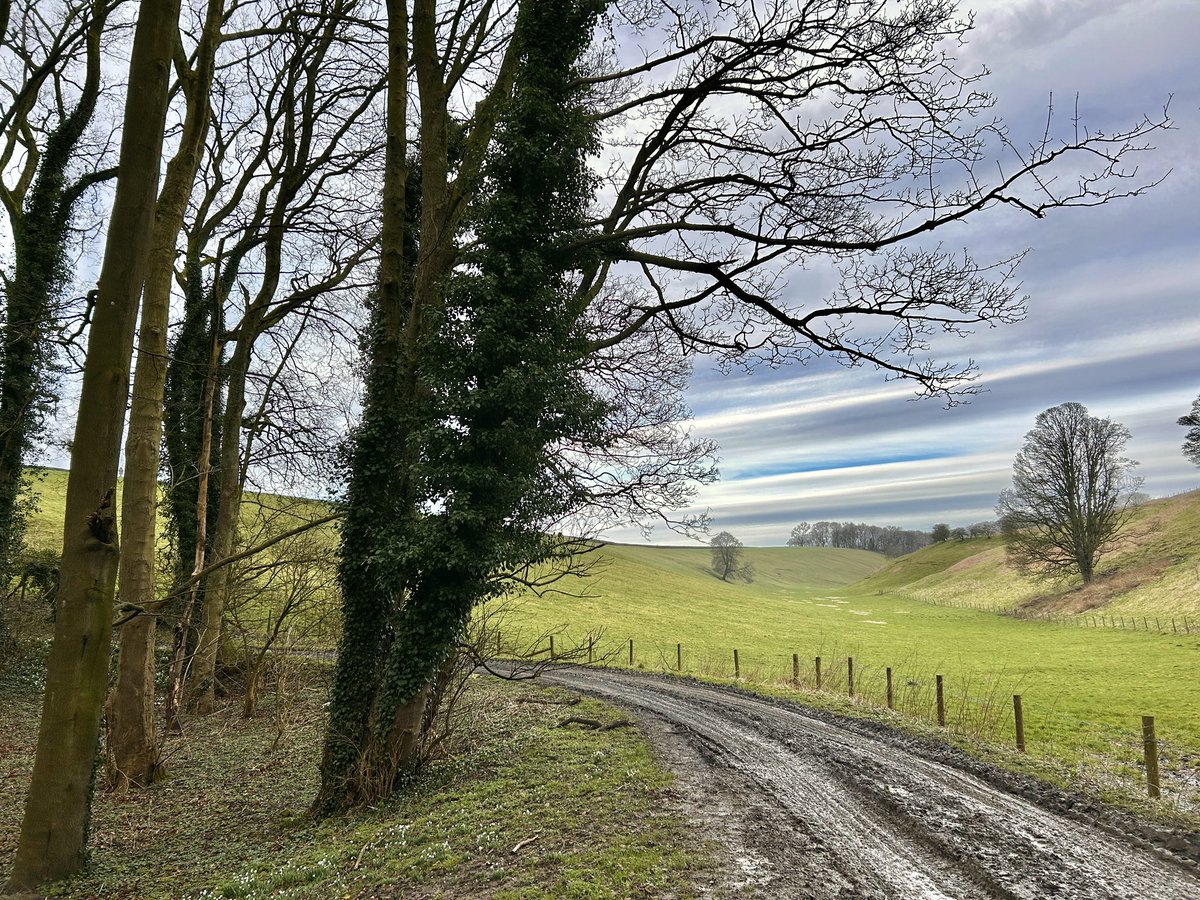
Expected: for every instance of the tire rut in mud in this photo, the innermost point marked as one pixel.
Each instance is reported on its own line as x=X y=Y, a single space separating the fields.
x=819 y=811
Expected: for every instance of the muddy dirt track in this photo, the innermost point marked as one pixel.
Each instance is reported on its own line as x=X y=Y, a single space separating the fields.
x=812 y=806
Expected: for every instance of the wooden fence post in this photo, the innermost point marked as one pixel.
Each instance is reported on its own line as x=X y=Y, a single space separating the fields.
x=817 y=661
x=941 y=703
x=679 y=657
x=631 y=651
x=737 y=668
x=1150 y=747
x=850 y=674
x=591 y=648
x=1019 y=718
x=498 y=642
x=796 y=669
x=891 y=703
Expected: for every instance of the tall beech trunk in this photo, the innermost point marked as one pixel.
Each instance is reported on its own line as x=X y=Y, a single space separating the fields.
x=57 y=812
x=132 y=741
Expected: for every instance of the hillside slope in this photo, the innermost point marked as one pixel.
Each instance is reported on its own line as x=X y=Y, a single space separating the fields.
x=671 y=594
x=1155 y=570
x=775 y=568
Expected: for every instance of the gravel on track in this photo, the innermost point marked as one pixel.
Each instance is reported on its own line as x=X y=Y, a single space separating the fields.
x=813 y=806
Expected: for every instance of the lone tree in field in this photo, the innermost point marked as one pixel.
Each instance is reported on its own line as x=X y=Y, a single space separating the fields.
x=1071 y=493
x=727 y=557
x=940 y=533
x=1191 y=443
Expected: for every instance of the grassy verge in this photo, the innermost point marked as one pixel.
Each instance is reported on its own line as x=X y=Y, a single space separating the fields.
x=521 y=809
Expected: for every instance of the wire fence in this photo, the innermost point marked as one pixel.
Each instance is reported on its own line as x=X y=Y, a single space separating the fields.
x=991 y=708
x=1160 y=624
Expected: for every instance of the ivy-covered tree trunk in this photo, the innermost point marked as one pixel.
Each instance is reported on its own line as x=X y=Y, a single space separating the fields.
x=132 y=739
x=379 y=492
x=54 y=828
x=184 y=416
x=177 y=670
x=480 y=383
x=40 y=232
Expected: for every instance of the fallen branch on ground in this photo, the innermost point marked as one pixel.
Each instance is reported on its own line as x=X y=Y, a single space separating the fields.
x=525 y=843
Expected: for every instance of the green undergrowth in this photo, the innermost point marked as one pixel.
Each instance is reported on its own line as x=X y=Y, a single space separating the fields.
x=520 y=809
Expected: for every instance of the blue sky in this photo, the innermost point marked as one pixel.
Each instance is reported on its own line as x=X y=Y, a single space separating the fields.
x=1113 y=323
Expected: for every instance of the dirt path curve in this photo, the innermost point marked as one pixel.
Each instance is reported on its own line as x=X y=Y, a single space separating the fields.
x=816 y=808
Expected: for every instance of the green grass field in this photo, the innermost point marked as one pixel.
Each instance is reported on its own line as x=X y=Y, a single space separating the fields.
x=1083 y=690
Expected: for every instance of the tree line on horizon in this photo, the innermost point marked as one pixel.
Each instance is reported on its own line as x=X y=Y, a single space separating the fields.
x=890 y=540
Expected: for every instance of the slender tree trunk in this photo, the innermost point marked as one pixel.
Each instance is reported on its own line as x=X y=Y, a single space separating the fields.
x=216 y=587
x=179 y=655
x=54 y=828
x=132 y=742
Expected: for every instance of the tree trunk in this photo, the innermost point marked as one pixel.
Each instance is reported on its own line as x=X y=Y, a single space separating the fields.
x=179 y=656
x=54 y=828
x=40 y=234
x=132 y=743
x=133 y=758
x=184 y=416
x=374 y=503
x=385 y=667
x=216 y=587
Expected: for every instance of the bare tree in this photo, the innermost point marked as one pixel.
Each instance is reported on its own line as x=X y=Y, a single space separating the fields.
x=54 y=828
x=1191 y=443
x=1071 y=493
x=727 y=561
x=772 y=135
x=286 y=194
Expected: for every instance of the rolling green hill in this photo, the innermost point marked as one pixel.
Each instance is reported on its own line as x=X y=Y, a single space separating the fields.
x=1154 y=571
x=671 y=593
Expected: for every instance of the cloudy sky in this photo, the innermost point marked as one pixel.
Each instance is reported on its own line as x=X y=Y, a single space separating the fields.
x=1114 y=309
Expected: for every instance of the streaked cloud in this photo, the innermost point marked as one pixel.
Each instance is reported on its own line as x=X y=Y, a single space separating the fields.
x=1114 y=312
